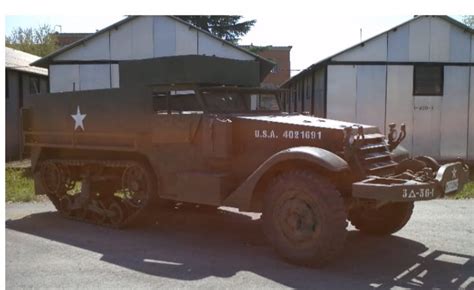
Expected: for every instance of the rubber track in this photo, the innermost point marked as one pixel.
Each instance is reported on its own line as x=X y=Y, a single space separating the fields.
x=130 y=219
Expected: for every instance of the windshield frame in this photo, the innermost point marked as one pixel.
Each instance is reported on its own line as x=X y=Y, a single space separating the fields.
x=239 y=90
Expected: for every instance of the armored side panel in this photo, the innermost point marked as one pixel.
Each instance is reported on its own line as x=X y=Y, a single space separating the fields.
x=97 y=119
x=189 y=69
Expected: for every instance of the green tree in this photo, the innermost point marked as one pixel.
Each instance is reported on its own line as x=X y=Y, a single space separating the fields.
x=39 y=41
x=468 y=20
x=226 y=27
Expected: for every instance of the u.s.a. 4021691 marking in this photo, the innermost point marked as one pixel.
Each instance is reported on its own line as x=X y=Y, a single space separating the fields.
x=288 y=134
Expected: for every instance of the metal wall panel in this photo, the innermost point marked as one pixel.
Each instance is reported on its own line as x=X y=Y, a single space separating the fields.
x=472 y=48
x=470 y=150
x=398 y=43
x=43 y=85
x=341 y=94
x=370 y=95
x=459 y=45
x=373 y=50
x=293 y=97
x=419 y=40
x=454 y=112
x=94 y=76
x=164 y=36
x=439 y=39
x=121 y=42
x=133 y=40
x=210 y=46
x=64 y=78
x=142 y=37
x=400 y=100
x=288 y=99
x=115 y=76
x=319 y=83
x=299 y=97
x=308 y=93
x=12 y=115
x=186 y=40
x=93 y=49
x=426 y=126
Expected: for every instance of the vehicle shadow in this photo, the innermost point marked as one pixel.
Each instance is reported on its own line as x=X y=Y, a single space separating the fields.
x=194 y=245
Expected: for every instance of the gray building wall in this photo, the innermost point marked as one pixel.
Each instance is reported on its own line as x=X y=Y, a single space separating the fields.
x=313 y=88
x=372 y=83
x=140 y=38
x=17 y=87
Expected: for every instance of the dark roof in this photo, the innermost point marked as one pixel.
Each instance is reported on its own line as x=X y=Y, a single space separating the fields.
x=326 y=60
x=45 y=61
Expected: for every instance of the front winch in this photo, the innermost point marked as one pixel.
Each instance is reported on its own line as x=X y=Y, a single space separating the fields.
x=449 y=179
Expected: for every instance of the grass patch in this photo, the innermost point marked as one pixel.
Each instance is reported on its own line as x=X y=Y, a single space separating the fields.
x=468 y=190
x=19 y=185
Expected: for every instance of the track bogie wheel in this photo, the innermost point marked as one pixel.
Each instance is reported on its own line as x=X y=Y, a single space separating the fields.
x=117 y=213
x=52 y=178
x=137 y=186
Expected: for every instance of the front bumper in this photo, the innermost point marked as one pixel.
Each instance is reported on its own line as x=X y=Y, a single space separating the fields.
x=449 y=179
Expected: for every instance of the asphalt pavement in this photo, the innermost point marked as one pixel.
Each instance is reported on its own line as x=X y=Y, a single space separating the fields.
x=196 y=249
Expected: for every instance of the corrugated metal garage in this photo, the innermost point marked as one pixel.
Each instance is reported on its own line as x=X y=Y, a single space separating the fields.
x=419 y=73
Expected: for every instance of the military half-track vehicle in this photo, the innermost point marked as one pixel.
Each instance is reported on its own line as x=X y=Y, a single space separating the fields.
x=231 y=145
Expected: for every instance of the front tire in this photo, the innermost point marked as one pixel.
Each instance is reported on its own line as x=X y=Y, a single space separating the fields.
x=385 y=220
x=304 y=218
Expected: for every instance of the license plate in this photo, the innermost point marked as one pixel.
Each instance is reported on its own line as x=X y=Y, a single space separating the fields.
x=451 y=186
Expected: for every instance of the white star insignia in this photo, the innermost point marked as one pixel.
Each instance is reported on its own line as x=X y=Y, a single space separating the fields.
x=454 y=172
x=78 y=119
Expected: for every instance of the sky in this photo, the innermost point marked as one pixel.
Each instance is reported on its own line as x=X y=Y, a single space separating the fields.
x=312 y=38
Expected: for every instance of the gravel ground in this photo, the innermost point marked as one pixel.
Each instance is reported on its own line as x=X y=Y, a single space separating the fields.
x=227 y=250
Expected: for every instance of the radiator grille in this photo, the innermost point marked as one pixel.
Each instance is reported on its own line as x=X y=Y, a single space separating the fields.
x=375 y=156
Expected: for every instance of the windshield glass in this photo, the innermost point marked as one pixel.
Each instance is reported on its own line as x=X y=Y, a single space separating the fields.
x=240 y=102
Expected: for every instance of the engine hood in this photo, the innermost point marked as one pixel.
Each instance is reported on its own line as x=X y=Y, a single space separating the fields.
x=305 y=121
x=276 y=132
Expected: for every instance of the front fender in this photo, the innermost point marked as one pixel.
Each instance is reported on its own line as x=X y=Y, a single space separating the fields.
x=242 y=196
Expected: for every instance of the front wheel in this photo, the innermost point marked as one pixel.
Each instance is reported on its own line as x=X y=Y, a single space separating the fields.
x=304 y=218
x=384 y=220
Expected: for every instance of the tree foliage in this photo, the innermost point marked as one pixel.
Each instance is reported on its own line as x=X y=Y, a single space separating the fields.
x=226 y=27
x=468 y=20
x=39 y=41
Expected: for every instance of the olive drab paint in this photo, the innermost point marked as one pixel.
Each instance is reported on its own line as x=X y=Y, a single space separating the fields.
x=197 y=130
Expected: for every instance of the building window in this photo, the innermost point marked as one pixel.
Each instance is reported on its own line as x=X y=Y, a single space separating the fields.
x=428 y=80
x=34 y=85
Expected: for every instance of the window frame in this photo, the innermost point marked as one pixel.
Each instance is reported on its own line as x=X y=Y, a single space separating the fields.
x=34 y=81
x=417 y=66
x=167 y=96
